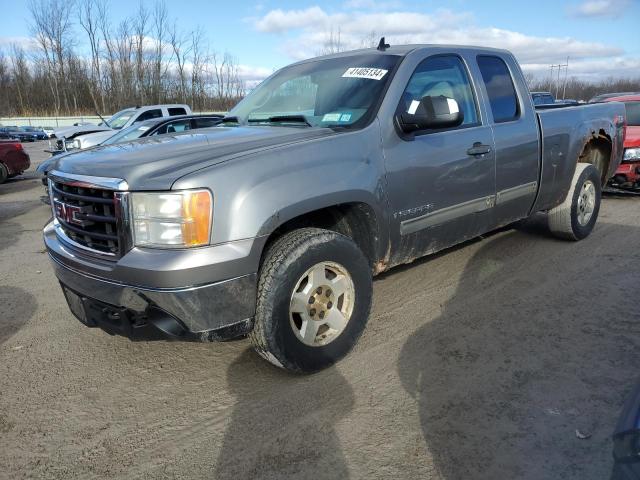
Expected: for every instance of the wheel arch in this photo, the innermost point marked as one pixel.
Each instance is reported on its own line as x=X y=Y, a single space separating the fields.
x=597 y=150
x=358 y=220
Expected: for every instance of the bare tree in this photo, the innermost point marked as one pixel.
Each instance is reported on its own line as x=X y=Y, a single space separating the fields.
x=52 y=28
x=181 y=50
x=21 y=76
x=333 y=43
x=159 y=33
x=89 y=17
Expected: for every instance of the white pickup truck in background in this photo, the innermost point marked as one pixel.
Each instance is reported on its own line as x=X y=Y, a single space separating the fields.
x=88 y=135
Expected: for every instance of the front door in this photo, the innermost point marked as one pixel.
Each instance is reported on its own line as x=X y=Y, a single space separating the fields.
x=440 y=184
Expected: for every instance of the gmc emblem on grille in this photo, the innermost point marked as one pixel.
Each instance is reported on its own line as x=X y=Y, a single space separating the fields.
x=71 y=213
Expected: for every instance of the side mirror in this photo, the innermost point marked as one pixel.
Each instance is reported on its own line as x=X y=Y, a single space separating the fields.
x=431 y=113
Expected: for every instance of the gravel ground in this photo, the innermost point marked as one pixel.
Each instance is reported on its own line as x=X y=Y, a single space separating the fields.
x=480 y=362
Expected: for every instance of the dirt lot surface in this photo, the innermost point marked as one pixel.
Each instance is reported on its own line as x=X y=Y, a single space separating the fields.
x=481 y=362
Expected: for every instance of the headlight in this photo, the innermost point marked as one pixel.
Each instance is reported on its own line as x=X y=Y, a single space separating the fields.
x=76 y=144
x=172 y=219
x=631 y=154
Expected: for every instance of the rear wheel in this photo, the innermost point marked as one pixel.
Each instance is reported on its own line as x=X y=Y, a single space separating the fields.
x=575 y=218
x=314 y=296
x=4 y=173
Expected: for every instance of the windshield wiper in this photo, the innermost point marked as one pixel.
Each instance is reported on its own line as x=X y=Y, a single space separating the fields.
x=282 y=119
x=230 y=120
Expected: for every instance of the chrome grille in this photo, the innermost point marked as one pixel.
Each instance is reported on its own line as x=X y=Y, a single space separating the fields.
x=91 y=216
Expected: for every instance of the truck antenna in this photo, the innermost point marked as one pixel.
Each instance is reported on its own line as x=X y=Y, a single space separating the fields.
x=382 y=46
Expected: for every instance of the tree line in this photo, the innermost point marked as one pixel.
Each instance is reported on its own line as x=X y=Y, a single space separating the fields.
x=83 y=63
x=577 y=89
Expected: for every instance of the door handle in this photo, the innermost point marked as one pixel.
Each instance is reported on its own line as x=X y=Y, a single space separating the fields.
x=478 y=149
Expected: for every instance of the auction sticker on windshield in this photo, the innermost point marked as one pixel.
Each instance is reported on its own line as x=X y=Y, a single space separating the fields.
x=365 y=72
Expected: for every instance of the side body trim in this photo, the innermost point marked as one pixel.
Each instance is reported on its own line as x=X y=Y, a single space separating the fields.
x=516 y=192
x=466 y=208
x=446 y=214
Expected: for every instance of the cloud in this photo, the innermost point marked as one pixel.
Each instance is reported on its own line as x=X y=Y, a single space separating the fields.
x=252 y=74
x=372 y=5
x=29 y=44
x=277 y=21
x=600 y=8
x=311 y=31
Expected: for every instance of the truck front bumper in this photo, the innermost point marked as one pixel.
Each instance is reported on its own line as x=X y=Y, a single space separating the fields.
x=99 y=294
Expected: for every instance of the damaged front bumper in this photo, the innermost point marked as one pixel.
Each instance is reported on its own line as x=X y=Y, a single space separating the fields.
x=99 y=296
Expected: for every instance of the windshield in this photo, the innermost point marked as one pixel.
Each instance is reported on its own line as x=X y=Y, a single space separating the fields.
x=129 y=133
x=633 y=113
x=342 y=92
x=119 y=119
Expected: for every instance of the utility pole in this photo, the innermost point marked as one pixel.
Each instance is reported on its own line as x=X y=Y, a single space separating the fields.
x=566 y=72
x=559 y=66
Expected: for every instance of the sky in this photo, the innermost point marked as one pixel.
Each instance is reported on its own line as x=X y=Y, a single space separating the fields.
x=600 y=37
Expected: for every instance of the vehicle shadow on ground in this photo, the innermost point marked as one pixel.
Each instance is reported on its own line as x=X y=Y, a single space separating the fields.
x=20 y=184
x=283 y=425
x=11 y=231
x=501 y=395
x=17 y=306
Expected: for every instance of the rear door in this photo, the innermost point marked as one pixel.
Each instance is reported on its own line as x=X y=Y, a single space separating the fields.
x=515 y=134
x=440 y=183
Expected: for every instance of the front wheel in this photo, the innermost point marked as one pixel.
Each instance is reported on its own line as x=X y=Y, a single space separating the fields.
x=575 y=218
x=314 y=297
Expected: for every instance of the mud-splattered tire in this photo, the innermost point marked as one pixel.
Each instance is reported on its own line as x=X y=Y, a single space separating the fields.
x=575 y=218
x=306 y=273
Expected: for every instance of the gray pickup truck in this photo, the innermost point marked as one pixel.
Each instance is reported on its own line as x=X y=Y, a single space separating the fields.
x=331 y=171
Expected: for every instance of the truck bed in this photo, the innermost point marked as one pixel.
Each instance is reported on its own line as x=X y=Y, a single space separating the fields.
x=564 y=133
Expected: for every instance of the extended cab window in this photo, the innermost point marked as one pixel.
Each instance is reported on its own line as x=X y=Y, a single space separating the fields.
x=442 y=75
x=499 y=85
x=149 y=114
x=176 y=111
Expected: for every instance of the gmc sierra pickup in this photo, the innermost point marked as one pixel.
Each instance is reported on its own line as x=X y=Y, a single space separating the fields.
x=331 y=171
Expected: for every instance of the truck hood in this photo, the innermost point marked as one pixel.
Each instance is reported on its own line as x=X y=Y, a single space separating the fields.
x=69 y=132
x=632 y=137
x=155 y=163
x=92 y=139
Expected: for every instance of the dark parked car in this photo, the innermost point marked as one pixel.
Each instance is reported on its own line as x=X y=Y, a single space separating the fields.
x=543 y=98
x=547 y=100
x=38 y=132
x=19 y=133
x=626 y=440
x=13 y=159
x=8 y=132
x=160 y=126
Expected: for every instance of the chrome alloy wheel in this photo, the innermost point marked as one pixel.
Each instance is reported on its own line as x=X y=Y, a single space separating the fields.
x=322 y=304
x=586 y=202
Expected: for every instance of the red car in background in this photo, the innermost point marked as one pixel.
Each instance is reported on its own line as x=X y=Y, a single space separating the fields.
x=13 y=159
x=627 y=175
